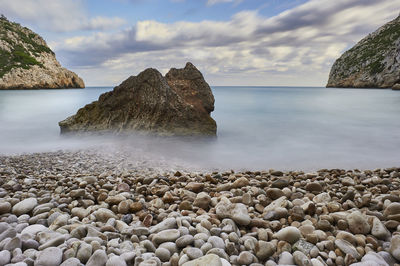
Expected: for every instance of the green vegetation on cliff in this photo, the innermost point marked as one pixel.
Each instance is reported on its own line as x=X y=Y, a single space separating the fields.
x=372 y=62
x=368 y=53
x=19 y=47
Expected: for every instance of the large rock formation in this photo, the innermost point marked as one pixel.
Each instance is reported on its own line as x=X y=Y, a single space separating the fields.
x=178 y=104
x=374 y=62
x=26 y=62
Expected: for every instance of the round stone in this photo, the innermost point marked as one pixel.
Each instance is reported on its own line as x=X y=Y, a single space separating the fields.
x=210 y=259
x=116 y=261
x=236 y=211
x=202 y=200
x=99 y=257
x=358 y=223
x=71 y=262
x=264 y=249
x=24 y=206
x=289 y=234
x=301 y=259
x=5 y=257
x=84 y=252
x=127 y=218
x=216 y=242
x=185 y=205
x=169 y=235
x=194 y=253
x=103 y=215
x=163 y=254
x=184 y=241
x=123 y=207
x=274 y=193
x=5 y=207
x=347 y=248
x=241 y=182
x=314 y=186
x=285 y=258
x=49 y=257
x=395 y=247
x=379 y=230
x=245 y=258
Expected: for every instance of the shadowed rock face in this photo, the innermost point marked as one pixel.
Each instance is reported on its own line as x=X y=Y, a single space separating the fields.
x=178 y=104
x=374 y=62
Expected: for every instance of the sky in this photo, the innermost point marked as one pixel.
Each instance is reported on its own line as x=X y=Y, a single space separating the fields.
x=232 y=42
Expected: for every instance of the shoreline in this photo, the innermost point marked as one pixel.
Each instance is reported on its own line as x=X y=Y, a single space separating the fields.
x=83 y=207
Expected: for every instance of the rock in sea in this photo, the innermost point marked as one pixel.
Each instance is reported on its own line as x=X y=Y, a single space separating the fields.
x=178 y=104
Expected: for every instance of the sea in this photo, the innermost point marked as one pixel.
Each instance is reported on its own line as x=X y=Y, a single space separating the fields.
x=259 y=128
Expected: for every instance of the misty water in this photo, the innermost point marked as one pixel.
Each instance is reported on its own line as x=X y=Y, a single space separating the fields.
x=258 y=128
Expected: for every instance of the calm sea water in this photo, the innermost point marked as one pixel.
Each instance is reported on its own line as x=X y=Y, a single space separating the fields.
x=258 y=128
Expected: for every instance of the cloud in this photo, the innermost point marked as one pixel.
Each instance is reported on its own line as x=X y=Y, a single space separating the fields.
x=297 y=46
x=57 y=15
x=213 y=2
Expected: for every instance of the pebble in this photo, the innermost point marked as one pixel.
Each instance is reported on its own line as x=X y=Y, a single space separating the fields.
x=289 y=234
x=184 y=241
x=314 y=187
x=169 y=235
x=395 y=247
x=49 y=257
x=163 y=254
x=264 y=250
x=347 y=248
x=301 y=259
x=358 y=223
x=194 y=253
x=216 y=242
x=245 y=258
x=274 y=193
x=71 y=262
x=24 y=206
x=84 y=252
x=285 y=258
x=94 y=213
x=5 y=207
x=236 y=211
x=5 y=257
x=98 y=258
x=379 y=230
x=116 y=261
x=202 y=200
x=210 y=259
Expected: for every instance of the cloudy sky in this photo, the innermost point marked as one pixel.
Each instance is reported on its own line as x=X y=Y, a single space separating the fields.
x=233 y=42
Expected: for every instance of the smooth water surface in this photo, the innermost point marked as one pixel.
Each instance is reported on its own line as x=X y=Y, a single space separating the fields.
x=258 y=128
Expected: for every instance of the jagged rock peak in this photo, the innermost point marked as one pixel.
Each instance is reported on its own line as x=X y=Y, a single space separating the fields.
x=178 y=104
x=374 y=62
x=26 y=62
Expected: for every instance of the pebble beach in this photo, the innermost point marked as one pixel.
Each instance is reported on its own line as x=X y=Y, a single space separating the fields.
x=86 y=208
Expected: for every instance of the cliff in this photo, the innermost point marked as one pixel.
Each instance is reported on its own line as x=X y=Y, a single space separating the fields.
x=374 y=62
x=178 y=104
x=26 y=62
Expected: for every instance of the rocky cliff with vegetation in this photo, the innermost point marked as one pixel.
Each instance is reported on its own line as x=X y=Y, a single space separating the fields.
x=178 y=104
x=374 y=62
x=26 y=62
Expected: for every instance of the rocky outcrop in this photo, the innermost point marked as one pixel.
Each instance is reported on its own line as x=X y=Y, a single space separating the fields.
x=178 y=104
x=374 y=62
x=26 y=62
